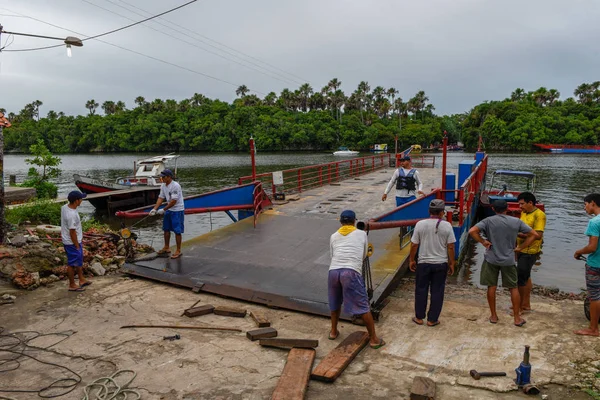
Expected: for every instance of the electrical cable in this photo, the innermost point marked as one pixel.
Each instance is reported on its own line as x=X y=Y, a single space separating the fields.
x=217 y=42
x=112 y=31
x=139 y=53
x=180 y=29
x=287 y=81
x=18 y=344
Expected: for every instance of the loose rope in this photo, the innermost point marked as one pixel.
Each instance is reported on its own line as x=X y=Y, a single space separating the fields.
x=107 y=388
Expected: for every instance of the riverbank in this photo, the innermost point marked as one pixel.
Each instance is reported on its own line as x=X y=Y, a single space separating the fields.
x=226 y=365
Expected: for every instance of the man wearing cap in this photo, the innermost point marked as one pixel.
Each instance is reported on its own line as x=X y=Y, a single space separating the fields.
x=434 y=239
x=170 y=191
x=501 y=231
x=408 y=183
x=72 y=236
x=349 y=247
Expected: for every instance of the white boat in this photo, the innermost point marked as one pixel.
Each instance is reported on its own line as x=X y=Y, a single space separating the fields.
x=344 y=152
x=146 y=173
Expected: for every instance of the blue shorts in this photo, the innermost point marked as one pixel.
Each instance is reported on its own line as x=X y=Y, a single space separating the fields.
x=404 y=200
x=74 y=256
x=173 y=221
x=347 y=286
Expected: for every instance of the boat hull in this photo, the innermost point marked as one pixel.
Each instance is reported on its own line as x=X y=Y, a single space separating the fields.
x=95 y=186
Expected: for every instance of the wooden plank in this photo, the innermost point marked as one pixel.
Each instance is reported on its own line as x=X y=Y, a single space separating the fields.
x=261 y=333
x=197 y=311
x=260 y=319
x=293 y=383
x=230 y=311
x=422 y=389
x=332 y=366
x=290 y=343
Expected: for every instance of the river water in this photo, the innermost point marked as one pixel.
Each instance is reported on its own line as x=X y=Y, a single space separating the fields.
x=562 y=181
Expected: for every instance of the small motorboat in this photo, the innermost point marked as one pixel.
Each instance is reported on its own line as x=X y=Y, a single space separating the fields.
x=345 y=152
x=507 y=185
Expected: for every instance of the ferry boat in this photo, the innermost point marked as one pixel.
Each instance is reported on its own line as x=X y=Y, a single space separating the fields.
x=568 y=148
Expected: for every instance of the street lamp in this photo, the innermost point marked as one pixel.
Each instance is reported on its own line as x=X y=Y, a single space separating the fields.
x=69 y=41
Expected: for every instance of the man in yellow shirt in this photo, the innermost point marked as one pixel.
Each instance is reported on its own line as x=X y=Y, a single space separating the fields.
x=536 y=220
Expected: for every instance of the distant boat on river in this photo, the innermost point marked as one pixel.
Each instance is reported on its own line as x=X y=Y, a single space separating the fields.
x=569 y=148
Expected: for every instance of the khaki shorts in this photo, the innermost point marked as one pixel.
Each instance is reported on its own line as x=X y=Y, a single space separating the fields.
x=489 y=275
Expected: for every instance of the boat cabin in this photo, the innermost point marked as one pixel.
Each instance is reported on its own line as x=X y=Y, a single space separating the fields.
x=507 y=185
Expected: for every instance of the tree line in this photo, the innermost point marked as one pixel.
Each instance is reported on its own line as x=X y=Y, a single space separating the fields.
x=305 y=119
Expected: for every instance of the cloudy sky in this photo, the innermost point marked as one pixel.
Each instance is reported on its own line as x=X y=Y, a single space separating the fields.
x=460 y=52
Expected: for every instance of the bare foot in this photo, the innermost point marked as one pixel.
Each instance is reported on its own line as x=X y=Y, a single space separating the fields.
x=586 y=332
x=493 y=320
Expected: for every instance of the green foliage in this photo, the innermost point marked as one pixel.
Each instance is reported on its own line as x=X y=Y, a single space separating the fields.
x=38 y=212
x=44 y=189
x=306 y=119
x=42 y=158
x=90 y=223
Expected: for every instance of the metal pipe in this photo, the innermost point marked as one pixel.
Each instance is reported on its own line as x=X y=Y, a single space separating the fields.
x=445 y=154
x=252 y=155
x=374 y=226
x=199 y=210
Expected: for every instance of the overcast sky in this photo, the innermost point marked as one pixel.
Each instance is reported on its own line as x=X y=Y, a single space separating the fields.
x=460 y=52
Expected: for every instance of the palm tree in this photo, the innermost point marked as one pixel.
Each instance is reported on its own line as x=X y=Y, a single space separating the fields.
x=270 y=99
x=334 y=84
x=304 y=94
x=11 y=116
x=52 y=115
x=317 y=101
x=540 y=96
x=552 y=96
x=108 y=107
x=242 y=90
x=584 y=93
x=61 y=114
x=36 y=108
x=518 y=95
x=140 y=101
x=400 y=107
x=392 y=92
x=91 y=105
x=362 y=91
x=120 y=106
x=198 y=99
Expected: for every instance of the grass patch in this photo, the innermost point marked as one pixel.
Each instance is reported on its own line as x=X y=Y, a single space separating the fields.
x=593 y=393
x=38 y=212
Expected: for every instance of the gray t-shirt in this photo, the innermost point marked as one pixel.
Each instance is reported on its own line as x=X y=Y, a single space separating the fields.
x=433 y=246
x=502 y=231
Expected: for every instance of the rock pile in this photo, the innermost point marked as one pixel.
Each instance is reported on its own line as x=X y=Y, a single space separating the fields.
x=30 y=261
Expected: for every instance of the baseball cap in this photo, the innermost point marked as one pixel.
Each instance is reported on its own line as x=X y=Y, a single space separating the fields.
x=500 y=205
x=167 y=172
x=437 y=204
x=76 y=195
x=347 y=215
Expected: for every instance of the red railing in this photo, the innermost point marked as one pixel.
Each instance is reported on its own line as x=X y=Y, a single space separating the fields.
x=418 y=160
x=470 y=188
x=304 y=178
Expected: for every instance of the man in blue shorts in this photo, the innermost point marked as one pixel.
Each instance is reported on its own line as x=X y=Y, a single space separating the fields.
x=72 y=236
x=349 y=247
x=170 y=192
x=408 y=183
x=592 y=266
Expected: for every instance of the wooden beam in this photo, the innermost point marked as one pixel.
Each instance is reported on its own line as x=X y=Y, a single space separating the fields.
x=197 y=311
x=230 y=311
x=261 y=333
x=260 y=320
x=290 y=343
x=293 y=383
x=332 y=366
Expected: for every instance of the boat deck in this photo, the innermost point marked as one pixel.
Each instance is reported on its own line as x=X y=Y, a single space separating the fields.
x=284 y=261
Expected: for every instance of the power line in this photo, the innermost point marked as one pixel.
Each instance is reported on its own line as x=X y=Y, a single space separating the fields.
x=287 y=80
x=138 y=53
x=301 y=80
x=114 y=30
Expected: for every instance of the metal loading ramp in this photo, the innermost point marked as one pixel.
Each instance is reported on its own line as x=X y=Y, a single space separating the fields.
x=282 y=263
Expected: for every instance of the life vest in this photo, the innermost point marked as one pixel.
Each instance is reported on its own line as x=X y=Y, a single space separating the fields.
x=407 y=182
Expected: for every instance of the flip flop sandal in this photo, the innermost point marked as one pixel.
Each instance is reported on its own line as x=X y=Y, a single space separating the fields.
x=436 y=323
x=337 y=334
x=79 y=289
x=163 y=251
x=174 y=256
x=416 y=321
x=86 y=284
x=520 y=324
x=492 y=321
x=379 y=345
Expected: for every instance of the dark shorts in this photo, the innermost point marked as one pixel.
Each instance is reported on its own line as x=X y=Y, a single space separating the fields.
x=592 y=281
x=404 y=200
x=348 y=287
x=490 y=272
x=173 y=221
x=74 y=256
x=525 y=263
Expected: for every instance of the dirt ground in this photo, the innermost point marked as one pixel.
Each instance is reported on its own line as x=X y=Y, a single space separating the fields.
x=226 y=365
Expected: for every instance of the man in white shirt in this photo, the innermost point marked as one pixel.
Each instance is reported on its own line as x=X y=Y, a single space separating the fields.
x=434 y=239
x=408 y=183
x=72 y=237
x=170 y=192
x=349 y=247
